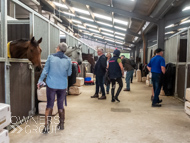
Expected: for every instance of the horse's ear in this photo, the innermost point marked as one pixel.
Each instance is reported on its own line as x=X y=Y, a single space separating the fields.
x=32 y=40
x=40 y=40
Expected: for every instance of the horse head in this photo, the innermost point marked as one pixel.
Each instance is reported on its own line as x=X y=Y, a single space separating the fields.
x=75 y=54
x=34 y=53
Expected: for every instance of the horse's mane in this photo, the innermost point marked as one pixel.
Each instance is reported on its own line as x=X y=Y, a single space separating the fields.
x=19 y=41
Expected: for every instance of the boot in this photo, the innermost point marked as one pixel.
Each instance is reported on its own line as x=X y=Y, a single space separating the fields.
x=117 y=94
x=112 y=94
x=48 y=115
x=95 y=96
x=60 y=126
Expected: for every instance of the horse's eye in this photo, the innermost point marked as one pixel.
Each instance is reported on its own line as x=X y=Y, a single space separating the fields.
x=31 y=50
x=78 y=53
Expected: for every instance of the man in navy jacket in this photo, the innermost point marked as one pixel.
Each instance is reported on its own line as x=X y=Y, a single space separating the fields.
x=99 y=71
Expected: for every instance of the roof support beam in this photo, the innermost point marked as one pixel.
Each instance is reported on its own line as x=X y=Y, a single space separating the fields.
x=116 y=10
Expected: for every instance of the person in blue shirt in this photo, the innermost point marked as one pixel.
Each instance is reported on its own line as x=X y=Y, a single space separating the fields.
x=57 y=68
x=157 y=67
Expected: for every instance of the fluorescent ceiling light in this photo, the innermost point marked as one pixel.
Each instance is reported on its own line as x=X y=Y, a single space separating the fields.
x=89 y=25
x=186 y=8
x=121 y=22
x=76 y=21
x=111 y=40
x=187 y=21
x=97 y=36
x=86 y=18
x=104 y=24
x=88 y=34
x=120 y=28
x=104 y=29
x=136 y=38
x=128 y=49
x=169 y=26
x=182 y=29
x=81 y=27
x=60 y=5
x=94 y=30
x=107 y=34
x=121 y=43
x=122 y=38
x=67 y=13
x=117 y=33
x=36 y=2
x=171 y=32
x=81 y=11
x=103 y=16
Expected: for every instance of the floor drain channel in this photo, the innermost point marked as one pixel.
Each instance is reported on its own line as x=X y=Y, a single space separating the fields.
x=120 y=110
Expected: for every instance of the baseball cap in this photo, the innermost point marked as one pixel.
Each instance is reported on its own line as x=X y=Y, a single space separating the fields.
x=158 y=50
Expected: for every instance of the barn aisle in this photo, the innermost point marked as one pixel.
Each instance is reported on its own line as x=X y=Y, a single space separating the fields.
x=133 y=120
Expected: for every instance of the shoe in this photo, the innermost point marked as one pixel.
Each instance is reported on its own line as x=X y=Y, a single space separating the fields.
x=152 y=97
x=60 y=126
x=102 y=98
x=113 y=100
x=126 y=89
x=160 y=101
x=116 y=98
x=46 y=129
x=94 y=96
x=156 y=105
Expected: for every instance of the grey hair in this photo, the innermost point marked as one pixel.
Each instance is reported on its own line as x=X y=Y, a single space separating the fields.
x=63 y=47
x=100 y=49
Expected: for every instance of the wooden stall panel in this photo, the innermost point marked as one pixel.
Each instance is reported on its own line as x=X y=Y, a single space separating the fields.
x=181 y=81
x=54 y=38
x=2 y=85
x=41 y=30
x=20 y=90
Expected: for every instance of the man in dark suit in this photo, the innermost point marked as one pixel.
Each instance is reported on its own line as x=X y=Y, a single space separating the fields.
x=99 y=71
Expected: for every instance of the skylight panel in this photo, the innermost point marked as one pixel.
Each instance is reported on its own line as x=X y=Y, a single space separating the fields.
x=107 y=30
x=118 y=37
x=90 y=25
x=121 y=22
x=104 y=24
x=70 y=14
x=117 y=33
x=76 y=21
x=60 y=5
x=88 y=19
x=94 y=30
x=102 y=16
x=107 y=34
x=120 y=28
x=81 y=11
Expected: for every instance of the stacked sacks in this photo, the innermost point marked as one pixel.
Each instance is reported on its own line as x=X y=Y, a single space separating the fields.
x=143 y=79
x=187 y=103
x=5 y=120
x=76 y=88
x=138 y=75
x=41 y=94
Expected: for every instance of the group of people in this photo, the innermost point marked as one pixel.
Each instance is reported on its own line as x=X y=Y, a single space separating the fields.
x=108 y=70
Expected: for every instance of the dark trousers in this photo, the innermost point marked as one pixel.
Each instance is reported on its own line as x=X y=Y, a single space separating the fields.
x=156 y=77
x=120 y=82
x=100 y=83
x=61 y=97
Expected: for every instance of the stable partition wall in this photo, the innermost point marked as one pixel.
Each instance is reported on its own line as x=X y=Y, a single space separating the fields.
x=54 y=38
x=84 y=49
x=41 y=29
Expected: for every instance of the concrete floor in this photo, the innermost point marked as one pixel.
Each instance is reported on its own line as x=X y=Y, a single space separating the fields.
x=133 y=120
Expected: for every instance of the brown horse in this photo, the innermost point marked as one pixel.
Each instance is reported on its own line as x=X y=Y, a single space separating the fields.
x=27 y=49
